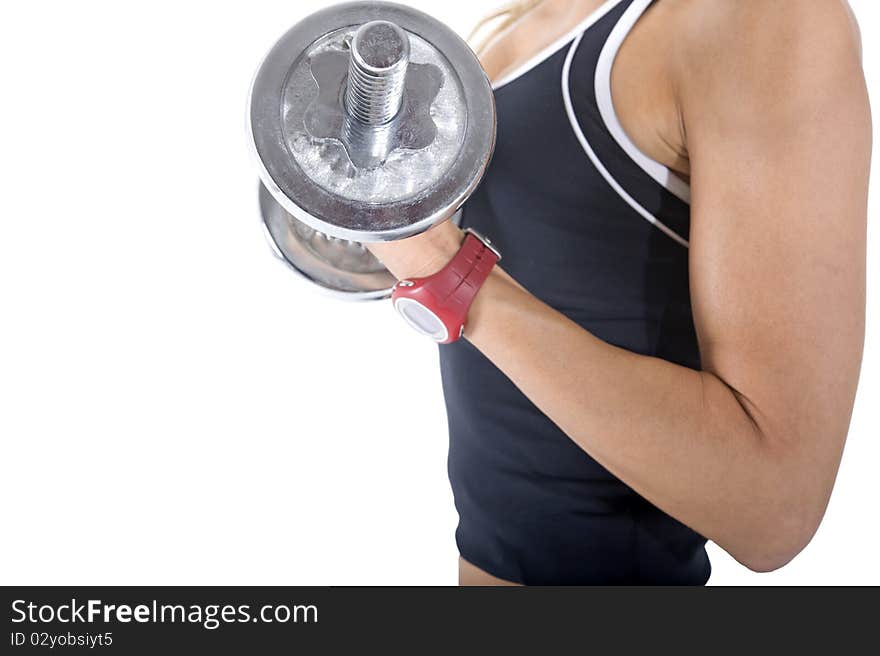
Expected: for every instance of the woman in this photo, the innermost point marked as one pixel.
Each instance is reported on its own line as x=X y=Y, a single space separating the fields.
x=670 y=347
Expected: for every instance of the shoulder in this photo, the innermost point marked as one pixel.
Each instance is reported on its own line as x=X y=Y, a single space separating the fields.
x=767 y=27
x=781 y=56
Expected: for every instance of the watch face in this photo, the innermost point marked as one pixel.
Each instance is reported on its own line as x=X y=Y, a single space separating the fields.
x=421 y=318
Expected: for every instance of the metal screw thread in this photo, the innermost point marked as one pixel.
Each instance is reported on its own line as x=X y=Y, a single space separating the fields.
x=376 y=72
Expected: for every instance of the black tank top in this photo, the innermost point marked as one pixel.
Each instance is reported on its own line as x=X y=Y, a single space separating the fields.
x=598 y=231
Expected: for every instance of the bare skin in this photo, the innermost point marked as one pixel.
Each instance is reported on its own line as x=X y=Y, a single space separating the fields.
x=471 y=575
x=763 y=106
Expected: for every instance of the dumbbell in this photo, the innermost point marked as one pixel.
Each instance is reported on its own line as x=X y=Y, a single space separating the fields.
x=370 y=121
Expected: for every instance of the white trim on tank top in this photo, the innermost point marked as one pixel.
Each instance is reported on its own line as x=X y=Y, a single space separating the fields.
x=659 y=172
x=579 y=133
x=557 y=45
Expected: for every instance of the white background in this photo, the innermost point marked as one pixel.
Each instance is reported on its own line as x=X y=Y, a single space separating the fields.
x=175 y=406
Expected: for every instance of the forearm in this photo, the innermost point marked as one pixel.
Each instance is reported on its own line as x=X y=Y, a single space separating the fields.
x=680 y=438
x=677 y=436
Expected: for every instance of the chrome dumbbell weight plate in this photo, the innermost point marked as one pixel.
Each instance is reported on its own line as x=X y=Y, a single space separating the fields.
x=343 y=268
x=371 y=122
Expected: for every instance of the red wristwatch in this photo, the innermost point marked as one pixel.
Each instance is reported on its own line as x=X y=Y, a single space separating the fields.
x=437 y=306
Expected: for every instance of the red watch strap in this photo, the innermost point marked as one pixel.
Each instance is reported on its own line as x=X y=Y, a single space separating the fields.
x=459 y=281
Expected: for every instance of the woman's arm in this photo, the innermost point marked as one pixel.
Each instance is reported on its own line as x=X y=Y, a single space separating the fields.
x=745 y=451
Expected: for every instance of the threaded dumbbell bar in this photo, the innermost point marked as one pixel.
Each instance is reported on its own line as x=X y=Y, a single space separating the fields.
x=379 y=56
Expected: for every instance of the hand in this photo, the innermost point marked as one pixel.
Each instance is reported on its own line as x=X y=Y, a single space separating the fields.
x=421 y=255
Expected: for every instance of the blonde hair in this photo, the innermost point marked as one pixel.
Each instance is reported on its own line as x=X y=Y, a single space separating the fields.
x=498 y=21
